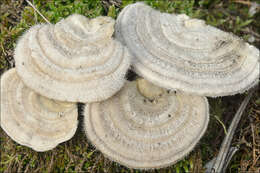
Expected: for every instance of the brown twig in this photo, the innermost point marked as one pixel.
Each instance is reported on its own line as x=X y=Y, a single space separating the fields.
x=20 y=164
x=243 y=2
x=80 y=166
x=50 y=167
x=251 y=32
x=253 y=140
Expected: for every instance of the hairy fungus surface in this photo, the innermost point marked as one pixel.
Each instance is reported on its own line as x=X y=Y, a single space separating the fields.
x=177 y=52
x=75 y=60
x=144 y=134
x=33 y=120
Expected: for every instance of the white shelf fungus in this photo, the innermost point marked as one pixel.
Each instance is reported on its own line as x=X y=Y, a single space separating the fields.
x=177 y=52
x=144 y=134
x=74 y=60
x=33 y=120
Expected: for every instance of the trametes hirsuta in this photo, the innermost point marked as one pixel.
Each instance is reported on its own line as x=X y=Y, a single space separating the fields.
x=148 y=123
x=177 y=52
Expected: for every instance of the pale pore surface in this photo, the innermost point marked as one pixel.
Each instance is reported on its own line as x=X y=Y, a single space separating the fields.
x=33 y=120
x=74 y=60
x=137 y=133
x=177 y=52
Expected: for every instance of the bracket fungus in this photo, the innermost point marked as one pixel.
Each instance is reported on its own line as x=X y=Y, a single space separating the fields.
x=33 y=120
x=177 y=52
x=144 y=134
x=75 y=60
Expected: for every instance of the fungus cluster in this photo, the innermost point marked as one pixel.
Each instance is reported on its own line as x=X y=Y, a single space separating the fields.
x=75 y=60
x=151 y=122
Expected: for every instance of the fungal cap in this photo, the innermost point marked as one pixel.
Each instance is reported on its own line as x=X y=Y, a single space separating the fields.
x=33 y=120
x=75 y=60
x=143 y=134
x=84 y=29
x=177 y=52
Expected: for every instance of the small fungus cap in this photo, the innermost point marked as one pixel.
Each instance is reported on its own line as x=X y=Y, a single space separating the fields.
x=177 y=52
x=75 y=60
x=33 y=120
x=144 y=134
